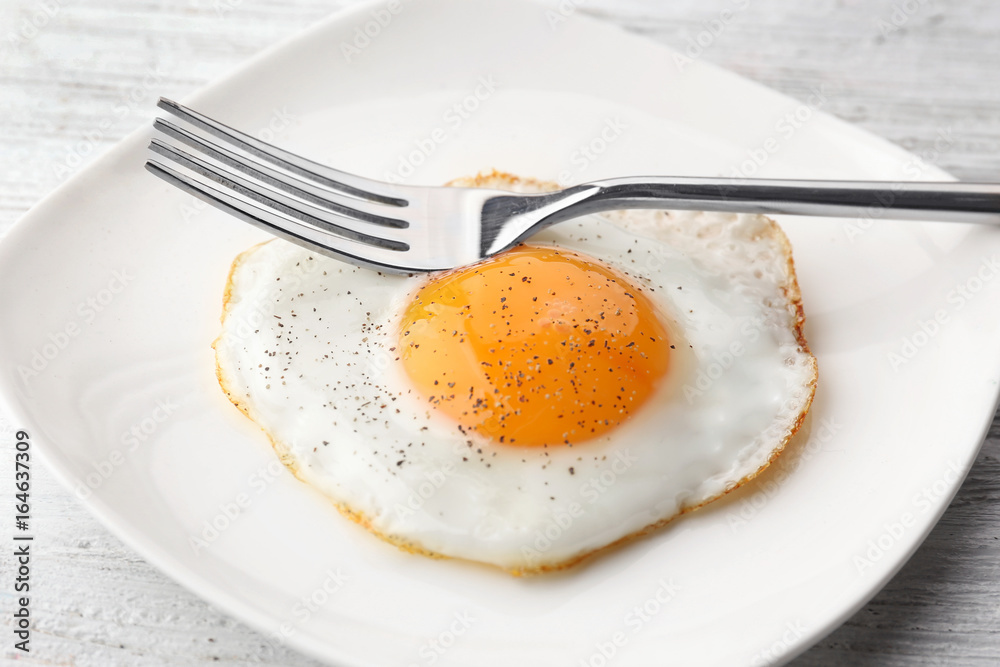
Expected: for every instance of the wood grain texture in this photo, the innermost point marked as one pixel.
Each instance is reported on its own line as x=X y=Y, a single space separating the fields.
x=75 y=77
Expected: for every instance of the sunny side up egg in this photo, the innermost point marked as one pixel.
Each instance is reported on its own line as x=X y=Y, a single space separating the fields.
x=536 y=407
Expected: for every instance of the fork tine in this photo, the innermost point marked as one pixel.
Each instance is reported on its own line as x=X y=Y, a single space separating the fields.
x=351 y=184
x=305 y=235
x=358 y=209
x=305 y=213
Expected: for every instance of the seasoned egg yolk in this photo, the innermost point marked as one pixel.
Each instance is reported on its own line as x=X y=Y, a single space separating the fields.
x=535 y=346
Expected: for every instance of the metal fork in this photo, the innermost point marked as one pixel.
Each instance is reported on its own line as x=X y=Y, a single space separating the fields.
x=407 y=229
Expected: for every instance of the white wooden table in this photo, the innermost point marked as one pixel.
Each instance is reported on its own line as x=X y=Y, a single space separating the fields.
x=74 y=78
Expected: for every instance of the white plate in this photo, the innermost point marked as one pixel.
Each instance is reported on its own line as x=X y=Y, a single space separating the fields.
x=112 y=288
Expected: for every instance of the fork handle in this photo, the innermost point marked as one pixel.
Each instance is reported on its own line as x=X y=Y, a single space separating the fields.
x=959 y=202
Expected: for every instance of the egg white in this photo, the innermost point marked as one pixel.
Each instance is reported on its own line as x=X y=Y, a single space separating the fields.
x=307 y=351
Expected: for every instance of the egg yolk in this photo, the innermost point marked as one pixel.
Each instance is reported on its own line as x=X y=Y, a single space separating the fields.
x=534 y=346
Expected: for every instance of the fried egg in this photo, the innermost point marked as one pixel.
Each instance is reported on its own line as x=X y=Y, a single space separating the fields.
x=538 y=406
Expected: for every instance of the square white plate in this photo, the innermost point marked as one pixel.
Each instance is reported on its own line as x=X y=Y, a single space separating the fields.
x=111 y=292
